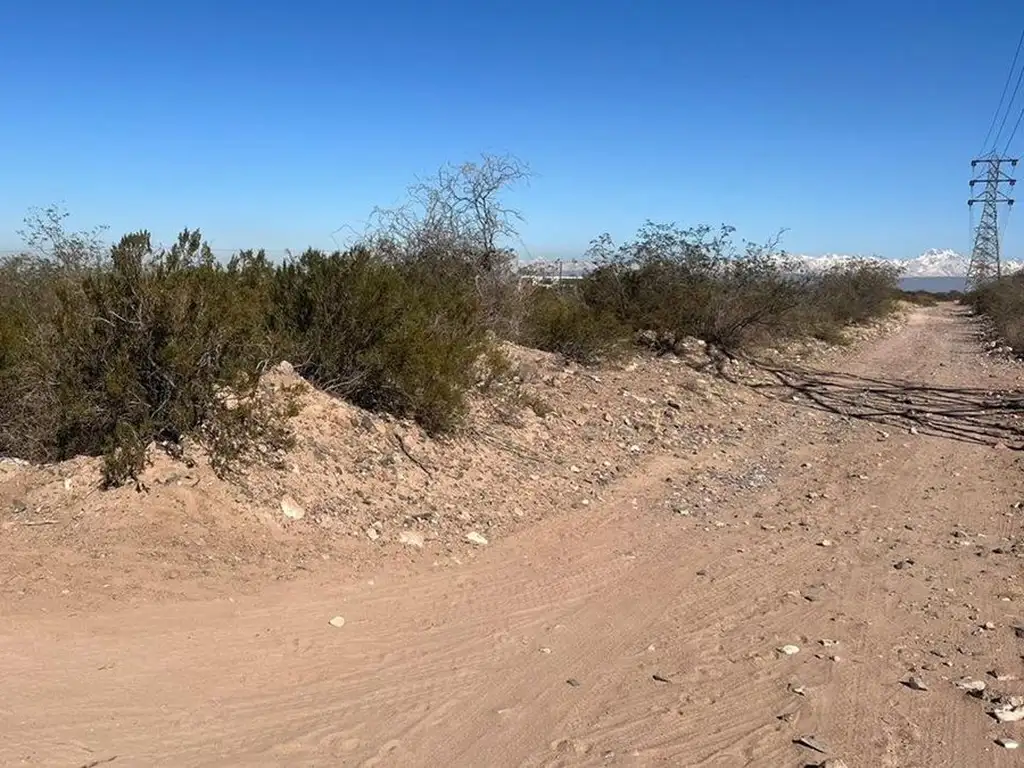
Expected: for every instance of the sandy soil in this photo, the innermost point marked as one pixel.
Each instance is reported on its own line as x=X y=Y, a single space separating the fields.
x=864 y=508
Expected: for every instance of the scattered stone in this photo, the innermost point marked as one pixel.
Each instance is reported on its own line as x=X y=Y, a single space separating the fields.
x=1010 y=710
x=813 y=593
x=411 y=539
x=973 y=687
x=1006 y=743
x=789 y=650
x=812 y=742
x=475 y=538
x=291 y=509
x=915 y=684
x=1001 y=675
x=828 y=643
x=337 y=621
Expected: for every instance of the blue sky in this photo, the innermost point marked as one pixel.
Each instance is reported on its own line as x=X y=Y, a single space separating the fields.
x=272 y=124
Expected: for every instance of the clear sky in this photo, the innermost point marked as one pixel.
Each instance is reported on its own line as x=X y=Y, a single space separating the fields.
x=852 y=123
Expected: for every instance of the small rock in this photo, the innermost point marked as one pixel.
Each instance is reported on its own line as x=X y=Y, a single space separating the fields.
x=789 y=650
x=291 y=509
x=812 y=742
x=573 y=682
x=969 y=685
x=475 y=538
x=825 y=543
x=660 y=678
x=1001 y=675
x=828 y=643
x=799 y=690
x=337 y=621
x=1006 y=743
x=903 y=564
x=813 y=593
x=915 y=684
x=833 y=762
x=411 y=539
x=989 y=625
x=371 y=534
x=1009 y=711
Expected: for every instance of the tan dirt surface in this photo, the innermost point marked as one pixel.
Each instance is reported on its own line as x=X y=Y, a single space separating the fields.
x=868 y=499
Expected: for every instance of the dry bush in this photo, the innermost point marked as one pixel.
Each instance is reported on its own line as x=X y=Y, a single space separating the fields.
x=1001 y=302
x=679 y=283
x=853 y=292
x=129 y=349
x=401 y=336
x=557 y=319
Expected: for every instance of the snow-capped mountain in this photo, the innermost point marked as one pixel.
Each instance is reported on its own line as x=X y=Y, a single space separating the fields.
x=935 y=262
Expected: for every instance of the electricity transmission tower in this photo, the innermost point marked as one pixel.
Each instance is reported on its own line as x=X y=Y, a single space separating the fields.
x=985 y=264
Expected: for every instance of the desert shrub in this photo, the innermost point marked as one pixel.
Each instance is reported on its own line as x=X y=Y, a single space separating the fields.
x=558 y=320
x=400 y=335
x=1001 y=302
x=678 y=283
x=854 y=292
x=921 y=298
x=671 y=283
x=141 y=346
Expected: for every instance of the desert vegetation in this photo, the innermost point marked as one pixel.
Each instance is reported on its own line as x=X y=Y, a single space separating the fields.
x=112 y=350
x=1001 y=303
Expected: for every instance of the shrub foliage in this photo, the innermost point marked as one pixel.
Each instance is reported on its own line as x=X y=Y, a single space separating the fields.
x=1001 y=302
x=109 y=351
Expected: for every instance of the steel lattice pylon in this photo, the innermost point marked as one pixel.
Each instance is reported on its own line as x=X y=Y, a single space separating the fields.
x=985 y=264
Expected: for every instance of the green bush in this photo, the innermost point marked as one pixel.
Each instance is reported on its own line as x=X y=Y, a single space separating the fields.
x=140 y=347
x=691 y=283
x=400 y=335
x=671 y=283
x=105 y=352
x=558 y=320
x=854 y=292
x=1002 y=303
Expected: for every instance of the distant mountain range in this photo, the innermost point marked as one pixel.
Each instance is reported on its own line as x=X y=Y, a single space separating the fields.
x=935 y=262
x=932 y=263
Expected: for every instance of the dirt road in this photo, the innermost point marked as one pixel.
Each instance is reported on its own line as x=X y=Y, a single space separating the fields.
x=872 y=506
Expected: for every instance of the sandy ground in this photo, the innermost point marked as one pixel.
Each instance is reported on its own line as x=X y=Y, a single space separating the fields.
x=866 y=512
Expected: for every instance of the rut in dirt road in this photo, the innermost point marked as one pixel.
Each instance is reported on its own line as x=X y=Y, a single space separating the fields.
x=880 y=551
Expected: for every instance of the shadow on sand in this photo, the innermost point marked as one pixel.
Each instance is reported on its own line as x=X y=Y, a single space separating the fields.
x=985 y=417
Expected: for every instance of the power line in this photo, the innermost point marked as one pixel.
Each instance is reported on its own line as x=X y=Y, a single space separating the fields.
x=1009 y=107
x=1006 y=85
x=1016 y=125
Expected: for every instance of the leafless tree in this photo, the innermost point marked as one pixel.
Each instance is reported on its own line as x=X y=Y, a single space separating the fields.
x=458 y=211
